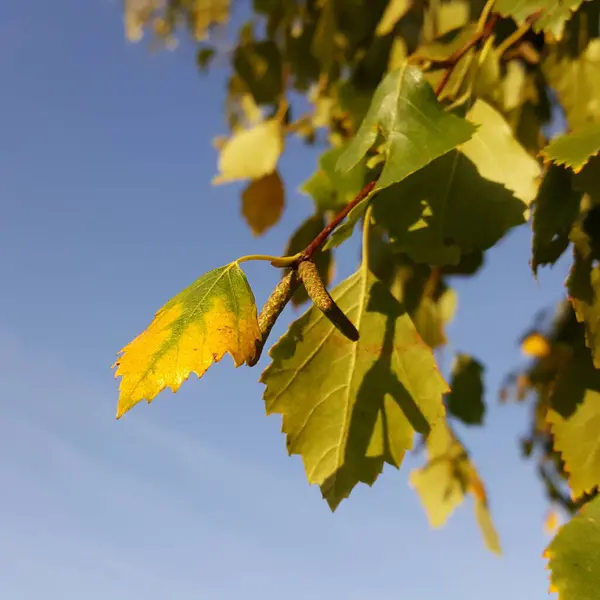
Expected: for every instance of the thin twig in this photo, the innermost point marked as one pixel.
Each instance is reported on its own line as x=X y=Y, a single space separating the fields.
x=308 y=252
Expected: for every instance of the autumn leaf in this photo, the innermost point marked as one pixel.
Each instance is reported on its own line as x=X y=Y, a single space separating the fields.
x=252 y=153
x=576 y=438
x=262 y=202
x=575 y=149
x=348 y=407
x=414 y=127
x=536 y=345
x=213 y=316
x=574 y=556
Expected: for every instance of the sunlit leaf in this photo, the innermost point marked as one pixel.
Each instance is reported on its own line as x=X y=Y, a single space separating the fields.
x=394 y=11
x=465 y=400
x=498 y=156
x=554 y=13
x=348 y=407
x=575 y=149
x=556 y=208
x=323 y=259
x=446 y=209
x=577 y=439
x=252 y=153
x=415 y=127
x=213 y=316
x=574 y=556
x=262 y=202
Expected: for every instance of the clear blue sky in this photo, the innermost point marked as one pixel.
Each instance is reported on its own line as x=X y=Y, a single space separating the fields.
x=107 y=211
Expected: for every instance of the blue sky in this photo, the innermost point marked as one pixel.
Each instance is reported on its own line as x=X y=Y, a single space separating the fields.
x=107 y=211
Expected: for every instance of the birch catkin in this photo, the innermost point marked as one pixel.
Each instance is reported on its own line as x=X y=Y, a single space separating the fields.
x=323 y=301
x=273 y=307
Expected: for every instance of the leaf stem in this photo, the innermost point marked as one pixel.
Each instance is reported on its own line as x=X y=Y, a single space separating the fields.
x=516 y=35
x=365 y=236
x=308 y=252
x=485 y=13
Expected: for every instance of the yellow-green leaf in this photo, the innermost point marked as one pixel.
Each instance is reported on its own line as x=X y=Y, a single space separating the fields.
x=584 y=294
x=575 y=149
x=213 y=316
x=574 y=556
x=578 y=441
x=576 y=81
x=348 y=407
x=262 y=202
x=252 y=153
x=498 y=156
x=394 y=11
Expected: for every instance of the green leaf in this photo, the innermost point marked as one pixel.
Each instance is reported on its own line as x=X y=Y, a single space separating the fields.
x=446 y=209
x=498 y=156
x=587 y=310
x=556 y=208
x=330 y=189
x=323 y=42
x=263 y=202
x=465 y=401
x=574 y=556
x=348 y=407
x=577 y=439
x=345 y=230
x=213 y=316
x=414 y=125
x=553 y=18
x=204 y=57
x=323 y=260
x=574 y=150
x=239 y=158
x=576 y=81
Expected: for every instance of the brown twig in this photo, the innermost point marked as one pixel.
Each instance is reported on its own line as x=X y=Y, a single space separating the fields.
x=451 y=62
x=308 y=252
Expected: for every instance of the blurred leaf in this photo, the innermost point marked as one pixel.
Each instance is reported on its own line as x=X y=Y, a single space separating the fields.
x=259 y=66
x=536 y=345
x=587 y=308
x=323 y=42
x=204 y=57
x=486 y=526
x=348 y=407
x=239 y=158
x=413 y=124
x=576 y=438
x=556 y=208
x=465 y=400
x=497 y=154
x=330 y=189
x=574 y=150
x=213 y=316
x=574 y=556
x=576 y=81
x=445 y=209
x=553 y=17
x=323 y=259
x=262 y=202
x=394 y=11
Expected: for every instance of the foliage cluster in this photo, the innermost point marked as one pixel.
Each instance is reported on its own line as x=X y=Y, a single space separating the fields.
x=432 y=117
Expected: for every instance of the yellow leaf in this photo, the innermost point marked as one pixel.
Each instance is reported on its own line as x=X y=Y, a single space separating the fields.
x=394 y=11
x=535 y=345
x=213 y=316
x=252 y=153
x=551 y=522
x=262 y=202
